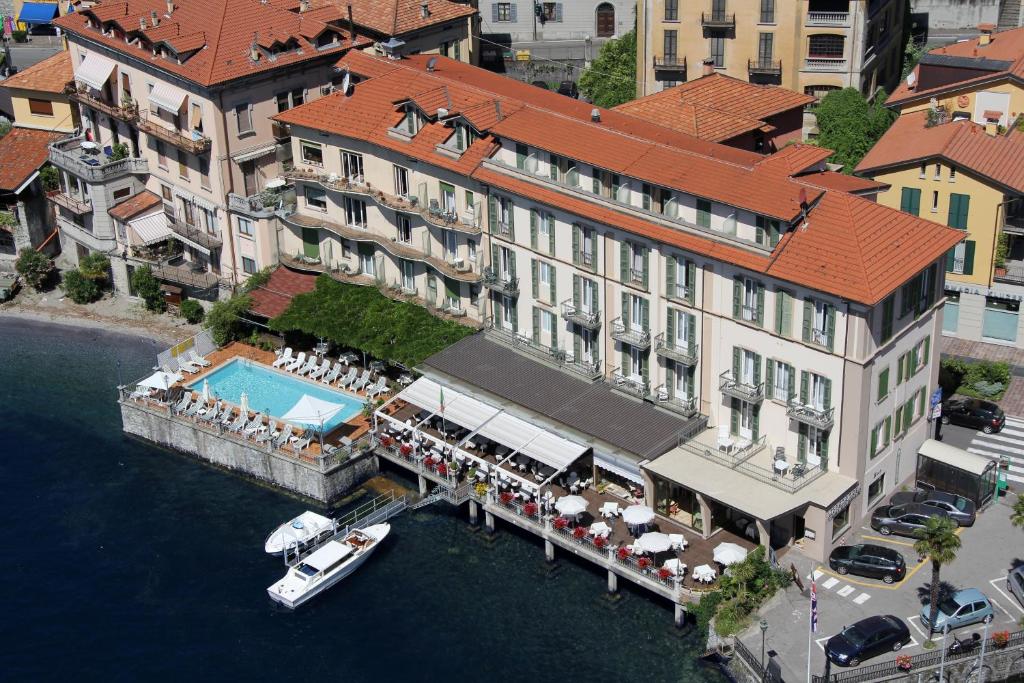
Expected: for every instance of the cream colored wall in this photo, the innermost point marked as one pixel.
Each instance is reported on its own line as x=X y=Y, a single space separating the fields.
x=62 y=120
x=963 y=99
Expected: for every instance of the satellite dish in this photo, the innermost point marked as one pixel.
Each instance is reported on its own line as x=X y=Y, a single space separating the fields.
x=431 y=63
x=346 y=82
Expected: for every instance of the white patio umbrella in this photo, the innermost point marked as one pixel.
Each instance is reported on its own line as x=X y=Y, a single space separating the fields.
x=704 y=573
x=243 y=403
x=570 y=506
x=160 y=380
x=729 y=553
x=654 y=542
x=206 y=391
x=637 y=514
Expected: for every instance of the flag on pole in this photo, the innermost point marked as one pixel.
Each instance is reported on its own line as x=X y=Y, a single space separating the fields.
x=442 y=401
x=814 y=607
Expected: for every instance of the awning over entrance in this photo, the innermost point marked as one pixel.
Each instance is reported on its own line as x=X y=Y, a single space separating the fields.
x=619 y=466
x=38 y=12
x=167 y=97
x=149 y=229
x=94 y=71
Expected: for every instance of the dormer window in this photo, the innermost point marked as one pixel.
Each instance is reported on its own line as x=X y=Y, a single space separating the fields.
x=326 y=38
x=411 y=123
x=461 y=138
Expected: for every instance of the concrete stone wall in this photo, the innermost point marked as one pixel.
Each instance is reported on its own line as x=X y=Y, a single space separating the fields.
x=956 y=13
x=305 y=479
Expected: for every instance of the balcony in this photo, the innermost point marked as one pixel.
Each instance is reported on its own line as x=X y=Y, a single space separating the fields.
x=83 y=96
x=502 y=283
x=667 y=348
x=197 y=278
x=634 y=336
x=193 y=236
x=825 y=64
x=92 y=165
x=193 y=142
x=555 y=357
x=70 y=203
x=1014 y=224
x=1013 y=271
x=764 y=67
x=687 y=407
x=743 y=390
x=630 y=385
x=718 y=21
x=672 y=63
x=828 y=18
x=260 y=205
x=572 y=313
x=815 y=417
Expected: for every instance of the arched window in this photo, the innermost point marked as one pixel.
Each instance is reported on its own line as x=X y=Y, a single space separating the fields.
x=605 y=20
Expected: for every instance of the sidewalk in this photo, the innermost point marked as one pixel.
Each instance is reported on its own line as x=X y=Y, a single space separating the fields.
x=1013 y=400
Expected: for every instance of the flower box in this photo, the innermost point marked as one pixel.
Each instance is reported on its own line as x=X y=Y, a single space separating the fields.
x=664 y=574
x=644 y=563
x=385 y=441
x=904 y=662
x=405 y=450
x=622 y=553
x=560 y=522
x=530 y=509
x=600 y=541
x=505 y=497
x=1001 y=638
x=579 y=532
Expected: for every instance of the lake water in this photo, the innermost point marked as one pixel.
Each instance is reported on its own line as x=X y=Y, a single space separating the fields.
x=125 y=562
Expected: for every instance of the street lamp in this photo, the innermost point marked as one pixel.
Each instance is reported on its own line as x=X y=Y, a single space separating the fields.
x=764 y=629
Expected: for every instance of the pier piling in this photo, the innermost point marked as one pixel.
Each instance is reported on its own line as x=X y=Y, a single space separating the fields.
x=474 y=512
x=549 y=550
x=679 y=617
x=613 y=582
x=489 y=521
x=423 y=485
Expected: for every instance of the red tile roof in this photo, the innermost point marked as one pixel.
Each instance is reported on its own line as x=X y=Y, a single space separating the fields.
x=49 y=75
x=966 y=144
x=384 y=17
x=212 y=37
x=135 y=205
x=830 y=180
x=272 y=299
x=715 y=107
x=22 y=152
x=795 y=159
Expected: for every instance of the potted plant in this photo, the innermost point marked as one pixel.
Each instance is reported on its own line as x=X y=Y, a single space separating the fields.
x=579 y=532
x=442 y=469
x=600 y=542
x=622 y=553
x=405 y=449
x=481 y=489
x=530 y=509
x=904 y=662
x=506 y=497
x=644 y=563
x=1001 y=638
x=560 y=522
x=664 y=573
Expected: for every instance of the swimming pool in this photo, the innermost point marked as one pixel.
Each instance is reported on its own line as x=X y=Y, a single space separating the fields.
x=273 y=392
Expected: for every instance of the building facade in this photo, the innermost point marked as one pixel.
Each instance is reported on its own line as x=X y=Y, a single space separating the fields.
x=811 y=47
x=758 y=313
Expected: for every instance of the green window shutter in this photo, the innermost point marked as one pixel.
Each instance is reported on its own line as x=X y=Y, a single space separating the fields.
x=888 y=430
x=511 y=221
x=965 y=205
x=801 y=448
x=553 y=167
x=775 y=232
x=760 y=304
x=899 y=421
x=950 y=260
x=900 y=364
x=512 y=264
x=670 y=276
x=954 y=211
x=737 y=296
x=577 y=344
x=929 y=296
x=576 y=244
x=515 y=316
x=757 y=369
x=755 y=427
x=624 y=261
x=647 y=191
x=874 y=442
x=759 y=221
x=646 y=314
x=647 y=264
x=703 y=213
x=734 y=417
x=769 y=378
x=824 y=452
x=495 y=258
x=888 y=309
x=780 y=305
x=926 y=351
x=534 y=217
x=594 y=299
x=787 y=316
x=497 y=311
x=554 y=294
x=645 y=369
x=805 y=380
x=883 y=384
x=536 y=325
x=830 y=324
x=691 y=331
x=691 y=281
x=596 y=181
x=554 y=332
x=625 y=310
x=670 y=327
x=577 y=288
x=551 y=234
x=910 y=200
x=911 y=363
x=535 y=277
x=969 y=257
x=736 y=353
x=828 y=394
x=908 y=413
x=492 y=213
x=808 y=319
x=593 y=252
x=521 y=151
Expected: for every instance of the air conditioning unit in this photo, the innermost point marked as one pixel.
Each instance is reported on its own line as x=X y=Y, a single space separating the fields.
x=326 y=89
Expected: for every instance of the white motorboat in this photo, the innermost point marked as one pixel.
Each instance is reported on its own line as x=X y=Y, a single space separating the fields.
x=302 y=531
x=327 y=565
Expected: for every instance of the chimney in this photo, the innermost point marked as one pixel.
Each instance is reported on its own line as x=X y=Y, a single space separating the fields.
x=351 y=27
x=142 y=23
x=708 y=67
x=424 y=10
x=986 y=34
x=154 y=19
x=254 y=52
x=170 y=7
x=991 y=128
x=595 y=115
x=303 y=6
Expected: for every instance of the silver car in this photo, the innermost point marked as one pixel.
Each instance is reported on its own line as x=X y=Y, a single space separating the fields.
x=1015 y=583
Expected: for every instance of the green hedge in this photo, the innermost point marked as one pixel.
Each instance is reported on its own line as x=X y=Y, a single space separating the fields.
x=362 y=318
x=979 y=379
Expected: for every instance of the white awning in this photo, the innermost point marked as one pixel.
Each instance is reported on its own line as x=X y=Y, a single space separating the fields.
x=458 y=408
x=149 y=229
x=160 y=380
x=167 y=97
x=327 y=555
x=254 y=153
x=955 y=457
x=94 y=71
x=619 y=466
x=312 y=411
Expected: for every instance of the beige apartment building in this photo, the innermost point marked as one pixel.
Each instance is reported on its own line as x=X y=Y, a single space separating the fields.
x=772 y=313
x=810 y=46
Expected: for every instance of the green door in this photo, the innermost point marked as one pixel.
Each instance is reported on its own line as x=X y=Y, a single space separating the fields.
x=311 y=243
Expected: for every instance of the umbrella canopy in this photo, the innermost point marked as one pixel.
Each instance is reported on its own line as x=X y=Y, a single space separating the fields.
x=243 y=403
x=311 y=411
x=654 y=542
x=729 y=553
x=637 y=514
x=704 y=573
x=206 y=391
x=571 y=505
x=160 y=380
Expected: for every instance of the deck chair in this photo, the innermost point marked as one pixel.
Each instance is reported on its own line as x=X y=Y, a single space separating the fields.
x=333 y=374
x=253 y=427
x=214 y=413
x=198 y=360
x=362 y=381
x=187 y=365
x=283 y=437
x=297 y=363
x=348 y=378
x=321 y=371
x=302 y=443
x=283 y=359
x=184 y=402
x=270 y=434
x=241 y=423
x=311 y=363
x=377 y=389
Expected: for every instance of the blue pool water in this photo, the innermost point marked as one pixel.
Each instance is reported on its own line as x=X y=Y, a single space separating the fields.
x=272 y=392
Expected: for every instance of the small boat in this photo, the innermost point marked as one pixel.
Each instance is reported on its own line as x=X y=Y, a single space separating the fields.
x=327 y=565
x=302 y=531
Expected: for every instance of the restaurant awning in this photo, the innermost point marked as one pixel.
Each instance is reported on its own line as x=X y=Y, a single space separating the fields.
x=458 y=408
x=620 y=466
x=149 y=229
x=167 y=97
x=94 y=71
x=38 y=12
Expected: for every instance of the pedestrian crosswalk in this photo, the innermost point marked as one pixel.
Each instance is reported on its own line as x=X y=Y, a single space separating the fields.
x=1008 y=443
x=843 y=590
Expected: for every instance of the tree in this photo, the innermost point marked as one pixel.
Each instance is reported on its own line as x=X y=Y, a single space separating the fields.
x=5 y=127
x=611 y=78
x=911 y=56
x=849 y=125
x=147 y=287
x=225 y=321
x=96 y=267
x=192 y=311
x=79 y=288
x=939 y=542
x=1017 y=516
x=36 y=267
x=51 y=179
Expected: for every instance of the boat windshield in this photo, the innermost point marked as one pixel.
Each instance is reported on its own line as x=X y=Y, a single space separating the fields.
x=307 y=570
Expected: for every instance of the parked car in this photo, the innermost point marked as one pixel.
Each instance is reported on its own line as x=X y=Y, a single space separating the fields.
x=569 y=89
x=867 y=638
x=872 y=561
x=959 y=508
x=973 y=412
x=904 y=520
x=540 y=84
x=967 y=606
x=1015 y=583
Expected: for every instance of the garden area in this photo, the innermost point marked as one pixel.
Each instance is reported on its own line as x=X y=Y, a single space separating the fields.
x=977 y=379
x=742 y=590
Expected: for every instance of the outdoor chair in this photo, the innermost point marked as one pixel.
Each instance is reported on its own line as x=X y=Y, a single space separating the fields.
x=362 y=381
x=348 y=378
x=283 y=437
x=283 y=359
x=183 y=404
x=377 y=389
x=240 y=424
x=321 y=371
x=310 y=364
x=725 y=442
x=198 y=360
x=301 y=443
x=333 y=374
x=214 y=413
x=297 y=363
x=254 y=426
x=268 y=434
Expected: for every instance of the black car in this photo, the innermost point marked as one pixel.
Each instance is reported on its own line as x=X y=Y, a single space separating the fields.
x=959 y=508
x=867 y=638
x=569 y=89
x=905 y=520
x=872 y=561
x=973 y=412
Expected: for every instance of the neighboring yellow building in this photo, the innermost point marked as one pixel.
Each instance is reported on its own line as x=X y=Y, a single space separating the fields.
x=969 y=177
x=811 y=46
x=37 y=95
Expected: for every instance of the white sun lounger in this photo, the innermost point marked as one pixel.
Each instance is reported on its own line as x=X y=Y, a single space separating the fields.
x=255 y=426
x=333 y=374
x=283 y=359
x=308 y=367
x=198 y=360
x=269 y=434
x=301 y=443
x=362 y=381
x=241 y=423
x=214 y=413
x=321 y=371
x=297 y=363
x=380 y=387
x=348 y=378
x=283 y=437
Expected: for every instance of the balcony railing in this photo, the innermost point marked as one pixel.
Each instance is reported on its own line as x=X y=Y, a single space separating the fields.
x=70 y=203
x=815 y=417
x=718 y=20
x=629 y=384
x=1014 y=224
x=572 y=313
x=764 y=67
x=193 y=141
x=741 y=389
x=92 y=165
x=687 y=355
x=193 y=236
x=1014 y=273
x=252 y=205
x=502 y=283
x=825 y=64
x=828 y=18
x=687 y=407
x=670 y=63
x=555 y=357
x=628 y=334
x=128 y=113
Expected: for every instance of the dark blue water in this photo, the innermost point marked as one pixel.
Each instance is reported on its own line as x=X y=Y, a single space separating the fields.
x=122 y=561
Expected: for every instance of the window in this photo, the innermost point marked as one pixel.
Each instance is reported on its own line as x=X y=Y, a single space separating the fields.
x=411 y=121
x=401 y=181
x=876 y=489
x=826 y=46
x=960 y=259
x=355 y=212
x=196 y=118
x=938 y=171
x=819 y=323
x=765 y=49
x=243 y=117
x=183 y=164
x=404 y=228
x=471 y=248
x=918 y=294
x=923 y=170
x=245 y=227
x=782 y=377
x=703 y=213
x=312 y=153
x=880 y=436
x=935 y=201
x=40 y=107
x=249 y=265
x=883 y=383
x=123 y=193
x=204 y=172
x=503 y=11
x=352 y=166
x=408 y=269
x=550 y=11
x=716 y=47
x=748 y=300
x=545 y=232
x=670 y=44
x=460 y=138
x=952 y=174
x=769 y=231
x=841 y=521
x=767 y=11
x=959 y=205
x=288 y=99
x=161 y=154
x=671 y=10
x=316 y=198
x=910 y=200
x=166 y=193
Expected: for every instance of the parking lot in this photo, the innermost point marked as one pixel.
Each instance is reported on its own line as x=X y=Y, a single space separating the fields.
x=989 y=549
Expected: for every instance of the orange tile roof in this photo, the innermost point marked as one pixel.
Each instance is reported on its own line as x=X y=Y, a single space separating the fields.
x=384 y=17
x=22 y=152
x=966 y=144
x=794 y=159
x=218 y=34
x=1006 y=46
x=135 y=205
x=272 y=299
x=49 y=75
x=715 y=107
x=830 y=180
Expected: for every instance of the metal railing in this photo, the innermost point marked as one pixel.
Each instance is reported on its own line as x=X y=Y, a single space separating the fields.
x=70 y=203
x=629 y=384
x=828 y=18
x=750 y=659
x=686 y=407
x=193 y=235
x=193 y=141
x=572 y=313
x=67 y=153
x=627 y=334
x=500 y=282
x=687 y=355
x=821 y=418
x=673 y=62
x=588 y=370
x=380 y=509
x=252 y=205
x=716 y=19
x=825 y=63
x=738 y=388
x=83 y=96
x=771 y=67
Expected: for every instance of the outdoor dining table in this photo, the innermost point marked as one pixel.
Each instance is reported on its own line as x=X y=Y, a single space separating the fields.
x=348 y=358
x=501 y=451
x=600 y=529
x=405 y=379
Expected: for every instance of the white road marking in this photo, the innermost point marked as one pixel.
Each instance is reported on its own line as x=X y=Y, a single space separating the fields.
x=861 y=599
x=844 y=591
x=1002 y=579
x=916 y=625
x=830 y=583
x=821 y=642
x=1009 y=617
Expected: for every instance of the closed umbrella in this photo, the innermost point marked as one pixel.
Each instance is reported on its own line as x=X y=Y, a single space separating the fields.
x=570 y=506
x=206 y=391
x=654 y=542
x=729 y=553
x=637 y=514
x=243 y=403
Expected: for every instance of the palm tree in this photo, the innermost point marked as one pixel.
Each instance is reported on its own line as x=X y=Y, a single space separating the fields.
x=939 y=542
x=1017 y=516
